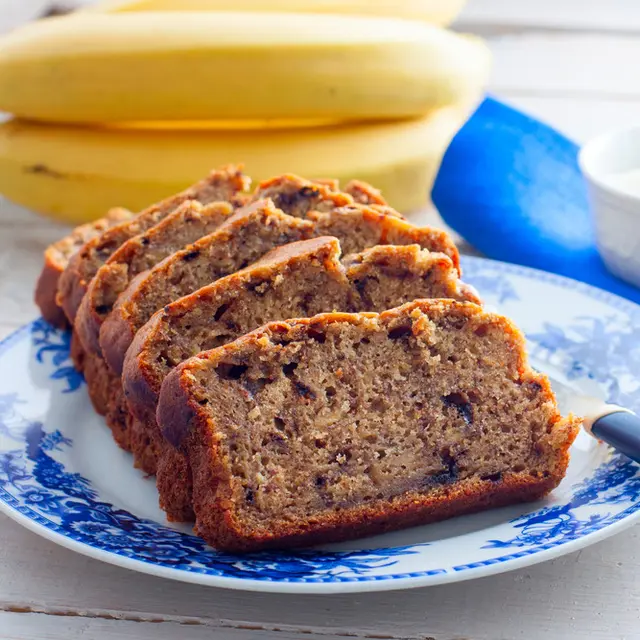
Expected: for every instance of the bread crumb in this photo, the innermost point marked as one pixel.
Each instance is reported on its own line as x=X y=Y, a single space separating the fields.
x=254 y=413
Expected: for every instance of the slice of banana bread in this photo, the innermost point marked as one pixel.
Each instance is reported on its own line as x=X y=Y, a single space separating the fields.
x=219 y=186
x=56 y=258
x=345 y=425
x=189 y=222
x=300 y=279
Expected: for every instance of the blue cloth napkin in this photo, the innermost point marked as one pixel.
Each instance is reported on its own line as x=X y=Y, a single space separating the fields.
x=510 y=185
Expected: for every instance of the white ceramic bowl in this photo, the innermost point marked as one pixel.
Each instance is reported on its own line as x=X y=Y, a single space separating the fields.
x=611 y=166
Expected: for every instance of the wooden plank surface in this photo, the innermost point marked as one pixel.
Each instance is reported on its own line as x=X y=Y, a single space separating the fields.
x=569 y=62
x=553 y=15
x=595 y=589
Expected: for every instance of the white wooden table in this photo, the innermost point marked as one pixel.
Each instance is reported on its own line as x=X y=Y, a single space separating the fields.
x=573 y=63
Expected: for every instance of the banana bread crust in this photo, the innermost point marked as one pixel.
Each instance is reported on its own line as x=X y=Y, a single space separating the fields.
x=56 y=258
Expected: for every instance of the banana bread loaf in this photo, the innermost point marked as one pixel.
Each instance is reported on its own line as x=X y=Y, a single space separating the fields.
x=299 y=279
x=100 y=382
x=148 y=248
x=244 y=238
x=344 y=425
x=57 y=255
x=56 y=258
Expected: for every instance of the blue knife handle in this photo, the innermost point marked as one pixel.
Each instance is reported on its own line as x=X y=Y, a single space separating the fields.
x=621 y=430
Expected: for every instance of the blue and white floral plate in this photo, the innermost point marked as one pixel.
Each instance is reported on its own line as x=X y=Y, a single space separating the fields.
x=62 y=476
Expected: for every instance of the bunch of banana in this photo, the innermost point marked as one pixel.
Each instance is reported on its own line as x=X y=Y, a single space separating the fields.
x=128 y=101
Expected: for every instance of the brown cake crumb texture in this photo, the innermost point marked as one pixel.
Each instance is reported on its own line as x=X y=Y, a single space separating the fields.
x=221 y=185
x=309 y=430
x=186 y=224
x=299 y=279
x=224 y=185
x=244 y=238
x=339 y=426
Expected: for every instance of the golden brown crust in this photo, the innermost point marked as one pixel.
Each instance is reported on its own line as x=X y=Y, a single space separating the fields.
x=102 y=381
x=174 y=484
x=117 y=415
x=56 y=258
x=392 y=229
x=77 y=352
x=45 y=293
x=117 y=333
x=364 y=193
x=376 y=519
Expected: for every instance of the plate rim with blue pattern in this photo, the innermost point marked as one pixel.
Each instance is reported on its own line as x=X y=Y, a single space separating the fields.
x=50 y=484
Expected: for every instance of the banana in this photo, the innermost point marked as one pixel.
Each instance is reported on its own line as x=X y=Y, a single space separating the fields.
x=75 y=174
x=97 y=68
x=440 y=12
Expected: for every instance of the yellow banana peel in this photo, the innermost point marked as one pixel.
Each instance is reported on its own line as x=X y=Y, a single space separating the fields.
x=75 y=174
x=97 y=68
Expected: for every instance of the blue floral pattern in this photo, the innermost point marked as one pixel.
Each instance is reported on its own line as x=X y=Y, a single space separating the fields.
x=36 y=483
x=616 y=482
x=599 y=349
x=56 y=344
x=490 y=282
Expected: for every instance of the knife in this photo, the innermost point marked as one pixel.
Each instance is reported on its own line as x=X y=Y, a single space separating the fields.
x=610 y=423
